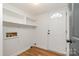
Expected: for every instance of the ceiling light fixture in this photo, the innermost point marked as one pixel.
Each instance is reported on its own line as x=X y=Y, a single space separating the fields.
x=35 y=3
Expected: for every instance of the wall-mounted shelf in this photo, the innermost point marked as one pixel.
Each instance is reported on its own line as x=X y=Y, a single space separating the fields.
x=16 y=24
x=16 y=19
x=13 y=16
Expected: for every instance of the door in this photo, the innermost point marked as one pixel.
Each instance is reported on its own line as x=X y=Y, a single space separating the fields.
x=57 y=32
x=74 y=30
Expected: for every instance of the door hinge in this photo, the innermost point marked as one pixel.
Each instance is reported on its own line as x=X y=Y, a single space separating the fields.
x=66 y=13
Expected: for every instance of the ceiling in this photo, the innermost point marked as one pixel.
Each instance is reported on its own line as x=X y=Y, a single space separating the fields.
x=38 y=8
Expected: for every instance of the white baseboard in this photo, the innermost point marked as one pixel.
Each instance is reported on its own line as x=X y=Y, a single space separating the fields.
x=20 y=52
x=62 y=52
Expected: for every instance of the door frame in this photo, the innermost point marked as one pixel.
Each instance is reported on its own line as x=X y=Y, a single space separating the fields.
x=67 y=31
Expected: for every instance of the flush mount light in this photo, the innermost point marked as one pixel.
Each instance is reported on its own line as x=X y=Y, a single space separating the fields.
x=56 y=15
x=35 y=3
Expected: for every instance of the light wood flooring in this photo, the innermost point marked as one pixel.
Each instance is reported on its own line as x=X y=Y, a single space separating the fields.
x=35 y=51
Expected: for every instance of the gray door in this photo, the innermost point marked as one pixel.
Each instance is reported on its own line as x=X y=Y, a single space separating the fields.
x=74 y=29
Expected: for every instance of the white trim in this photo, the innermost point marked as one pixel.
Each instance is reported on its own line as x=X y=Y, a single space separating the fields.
x=68 y=32
x=15 y=54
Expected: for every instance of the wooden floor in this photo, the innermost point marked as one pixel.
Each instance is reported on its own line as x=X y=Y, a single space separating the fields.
x=34 y=51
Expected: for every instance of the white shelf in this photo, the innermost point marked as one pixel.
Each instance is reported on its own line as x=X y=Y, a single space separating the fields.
x=11 y=13
x=13 y=17
x=16 y=19
x=16 y=24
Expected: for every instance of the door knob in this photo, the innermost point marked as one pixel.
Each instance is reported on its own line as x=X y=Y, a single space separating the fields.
x=69 y=41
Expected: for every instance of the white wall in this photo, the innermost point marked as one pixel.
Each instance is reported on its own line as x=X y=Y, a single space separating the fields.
x=1 y=48
x=42 y=29
x=19 y=44
x=24 y=39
